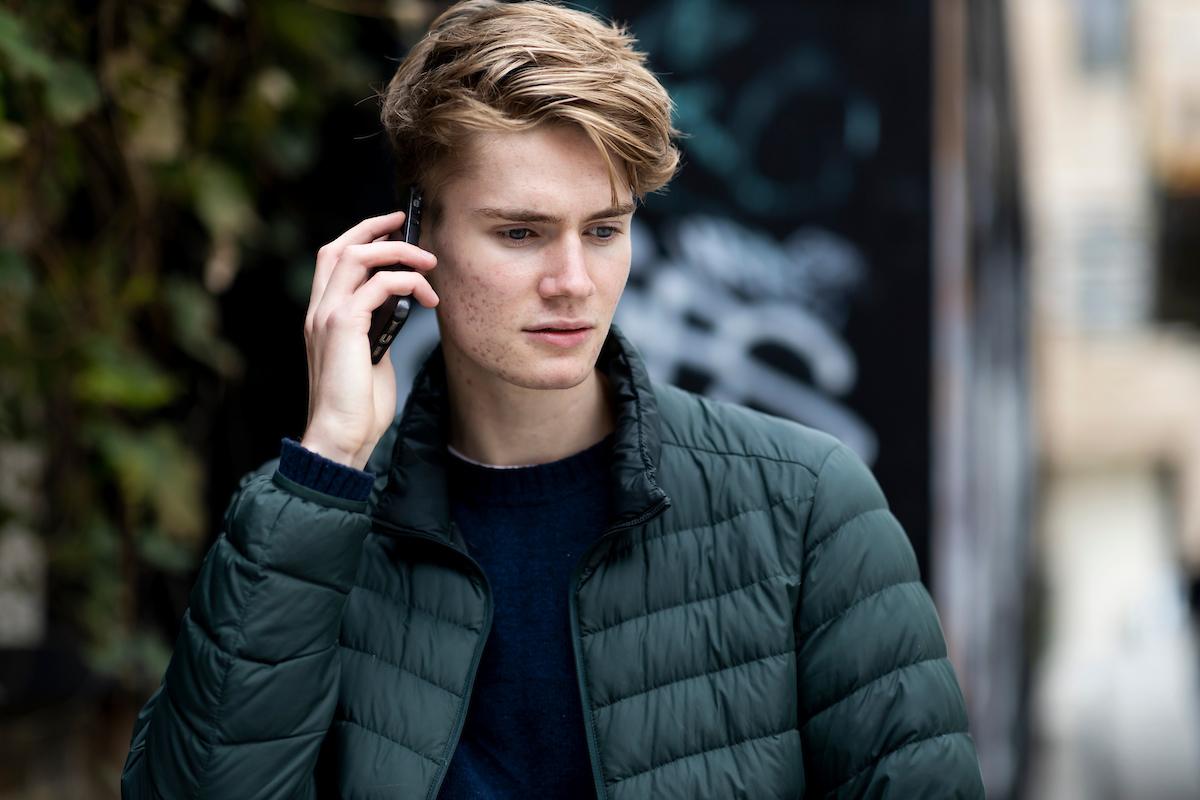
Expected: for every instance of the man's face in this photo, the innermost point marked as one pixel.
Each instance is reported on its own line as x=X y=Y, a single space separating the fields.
x=527 y=237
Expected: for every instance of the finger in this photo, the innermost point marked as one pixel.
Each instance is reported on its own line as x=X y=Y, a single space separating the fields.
x=368 y=230
x=357 y=260
x=385 y=284
x=383 y=254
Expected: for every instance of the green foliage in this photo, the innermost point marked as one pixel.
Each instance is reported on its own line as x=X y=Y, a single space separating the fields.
x=127 y=130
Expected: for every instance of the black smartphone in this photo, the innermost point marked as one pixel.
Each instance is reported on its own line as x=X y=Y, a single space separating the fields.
x=389 y=318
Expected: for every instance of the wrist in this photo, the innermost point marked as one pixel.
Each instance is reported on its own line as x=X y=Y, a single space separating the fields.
x=327 y=448
x=304 y=469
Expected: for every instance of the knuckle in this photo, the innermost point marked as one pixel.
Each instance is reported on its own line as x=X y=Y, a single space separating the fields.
x=339 y=317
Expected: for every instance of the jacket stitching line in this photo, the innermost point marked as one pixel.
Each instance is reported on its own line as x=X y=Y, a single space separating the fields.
x=402 y=604
x=585 y=678
x=345 y=720
x=239 y=638
x=727 y=746
x=208 y=634
x=814 y=630
x=869 y=683
x=691 y=601
x=240 y=742
x=877 y=761
x=191 y=727
x=711 y=526
x=797 y=609
x=390 y=663
x=693 y=677
x=813 y=498
x=276 y=570
x=758 y=456
x=844 y=527
x=840 y=527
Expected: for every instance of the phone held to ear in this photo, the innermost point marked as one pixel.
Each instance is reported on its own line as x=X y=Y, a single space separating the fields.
x=389 y=318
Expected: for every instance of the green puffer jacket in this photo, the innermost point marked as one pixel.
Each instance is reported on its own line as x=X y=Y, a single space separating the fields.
x=751 y=625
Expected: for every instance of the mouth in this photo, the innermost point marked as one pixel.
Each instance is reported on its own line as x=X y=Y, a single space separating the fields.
x=562 y=326
x=560 y=337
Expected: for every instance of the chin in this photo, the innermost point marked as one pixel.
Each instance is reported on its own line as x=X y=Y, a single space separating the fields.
x=566 y=374
x=520 y=364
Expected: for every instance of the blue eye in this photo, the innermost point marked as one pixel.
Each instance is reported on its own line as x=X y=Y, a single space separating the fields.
x=605 y=231
x=517 y=234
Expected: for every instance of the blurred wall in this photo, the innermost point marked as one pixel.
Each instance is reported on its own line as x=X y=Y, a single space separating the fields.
x=984 y=466
x=1108 y=92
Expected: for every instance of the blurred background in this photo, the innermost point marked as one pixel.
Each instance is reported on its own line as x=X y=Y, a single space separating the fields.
x=961 y=235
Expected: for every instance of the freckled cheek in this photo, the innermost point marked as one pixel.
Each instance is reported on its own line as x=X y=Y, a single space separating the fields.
x=469 y=296
x=482 y=315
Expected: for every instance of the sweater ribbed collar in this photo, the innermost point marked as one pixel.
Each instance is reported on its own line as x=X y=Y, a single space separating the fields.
x=530 y=485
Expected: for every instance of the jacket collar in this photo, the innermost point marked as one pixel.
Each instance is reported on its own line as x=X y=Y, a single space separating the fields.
x=415 y=498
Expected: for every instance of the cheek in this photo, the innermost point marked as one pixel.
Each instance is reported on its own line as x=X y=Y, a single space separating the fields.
x=613 y=276
x=471 y=300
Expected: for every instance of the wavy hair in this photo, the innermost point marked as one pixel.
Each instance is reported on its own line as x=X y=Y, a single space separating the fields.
x=489 y=66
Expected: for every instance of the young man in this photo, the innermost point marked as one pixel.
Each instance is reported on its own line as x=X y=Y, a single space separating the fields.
x=554 y=577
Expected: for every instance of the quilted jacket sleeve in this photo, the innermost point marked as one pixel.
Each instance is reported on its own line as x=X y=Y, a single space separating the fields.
x=252 y=685
x=881 y=711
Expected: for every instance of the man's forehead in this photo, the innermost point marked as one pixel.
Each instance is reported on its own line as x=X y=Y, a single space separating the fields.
x=550 y=171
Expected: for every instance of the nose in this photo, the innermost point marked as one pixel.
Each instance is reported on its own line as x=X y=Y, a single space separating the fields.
x=566 y=272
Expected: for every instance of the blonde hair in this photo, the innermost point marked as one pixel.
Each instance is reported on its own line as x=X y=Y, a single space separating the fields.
x=488 y=66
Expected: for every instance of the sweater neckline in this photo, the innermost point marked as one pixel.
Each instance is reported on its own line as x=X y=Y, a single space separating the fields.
x=474 y=482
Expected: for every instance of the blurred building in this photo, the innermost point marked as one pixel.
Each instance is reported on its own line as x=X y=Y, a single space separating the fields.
x=1109 y=120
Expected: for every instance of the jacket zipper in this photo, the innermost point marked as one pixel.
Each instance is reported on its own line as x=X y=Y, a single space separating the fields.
x=401 y=533
x=577 y=643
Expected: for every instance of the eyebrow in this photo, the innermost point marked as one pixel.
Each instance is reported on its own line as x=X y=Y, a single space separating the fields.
x=529 y=215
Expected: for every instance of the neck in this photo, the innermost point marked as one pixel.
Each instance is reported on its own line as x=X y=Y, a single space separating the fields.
x=507 y=425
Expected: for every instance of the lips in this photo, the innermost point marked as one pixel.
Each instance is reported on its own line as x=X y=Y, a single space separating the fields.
x=561 y=337
x=562 y=326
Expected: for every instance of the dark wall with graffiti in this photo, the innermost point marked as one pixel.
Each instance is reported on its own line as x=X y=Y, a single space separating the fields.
x=788 y=267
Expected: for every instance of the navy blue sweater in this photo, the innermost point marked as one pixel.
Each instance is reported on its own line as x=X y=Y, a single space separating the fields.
x=527 y=528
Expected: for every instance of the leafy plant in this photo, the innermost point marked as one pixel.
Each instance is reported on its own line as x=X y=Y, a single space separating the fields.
x=146 y=148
